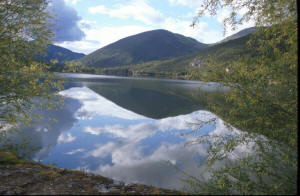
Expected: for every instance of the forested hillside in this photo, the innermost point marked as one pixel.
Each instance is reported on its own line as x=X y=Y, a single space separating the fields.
x=143 y=47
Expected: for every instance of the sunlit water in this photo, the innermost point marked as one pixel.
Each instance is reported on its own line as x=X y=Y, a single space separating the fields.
x=128 y=129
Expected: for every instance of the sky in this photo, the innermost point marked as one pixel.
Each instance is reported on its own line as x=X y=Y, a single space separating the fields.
x=87 y=25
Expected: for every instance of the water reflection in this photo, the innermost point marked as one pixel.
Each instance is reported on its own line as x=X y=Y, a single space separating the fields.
x=94 y=132
x=120 y=144
x=47 y=133
x=129 y=143
x=93 y=104
x=153 y=98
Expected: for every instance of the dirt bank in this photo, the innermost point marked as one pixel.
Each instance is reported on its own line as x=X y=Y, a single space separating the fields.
x=25 y=177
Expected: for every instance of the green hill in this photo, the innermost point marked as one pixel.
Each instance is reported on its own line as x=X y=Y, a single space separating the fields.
x=178 y=67
x=239 y=34
x=60 y=54
x=146 y=54
x=143 y=47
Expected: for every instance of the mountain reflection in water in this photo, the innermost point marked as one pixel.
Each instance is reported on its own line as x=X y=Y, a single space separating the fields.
x=95 y=134
x=153 y=98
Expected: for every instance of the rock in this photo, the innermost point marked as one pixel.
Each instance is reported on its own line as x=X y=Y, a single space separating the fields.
x=27 y=179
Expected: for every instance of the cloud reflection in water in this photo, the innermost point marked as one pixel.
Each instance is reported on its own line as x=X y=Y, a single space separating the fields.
x=135 y=150
x=93 y=104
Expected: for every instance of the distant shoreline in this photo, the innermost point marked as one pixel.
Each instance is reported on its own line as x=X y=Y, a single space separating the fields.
x=149 y=75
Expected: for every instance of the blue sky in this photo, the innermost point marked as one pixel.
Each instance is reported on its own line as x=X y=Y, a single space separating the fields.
x=87 y=25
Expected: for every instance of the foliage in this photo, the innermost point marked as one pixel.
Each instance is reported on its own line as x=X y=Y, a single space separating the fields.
x=264 y=78
x=245 y=163
x=262 y=101
x=8 y=158
x=24 y=31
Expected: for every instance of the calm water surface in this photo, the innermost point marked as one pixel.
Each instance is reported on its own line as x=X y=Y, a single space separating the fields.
x=128 y=129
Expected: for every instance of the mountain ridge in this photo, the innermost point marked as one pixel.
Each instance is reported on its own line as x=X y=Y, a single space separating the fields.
x=135 y=57
x=142 y=47
x=237 y=35
x=61 y=54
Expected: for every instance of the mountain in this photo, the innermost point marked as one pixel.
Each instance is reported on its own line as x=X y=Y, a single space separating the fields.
x=178 y=67
x=59 y=53
x=153 y=54
x=143 y=47
x=237 y=35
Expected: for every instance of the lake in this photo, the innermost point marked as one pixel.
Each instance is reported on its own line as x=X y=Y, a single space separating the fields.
x=129 y=129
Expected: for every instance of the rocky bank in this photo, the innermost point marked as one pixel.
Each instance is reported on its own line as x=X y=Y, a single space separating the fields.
x=18 y=176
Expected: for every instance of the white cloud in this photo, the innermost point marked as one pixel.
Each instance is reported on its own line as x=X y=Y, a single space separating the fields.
x=64 y=24
x=100 y=9
x=133 y=133
x=229 y=31
x=136 y=132
x=65 y=138
x=190 y=3
x=103 y=150
x=141 y=11
x=137 y=9
x=107 y=35
x=222 y=14
x=72 y=1
x=98 y=37
x=75 y=151
x=210 y=35
x=130 y=164
x=202 y=32
x=225 y=13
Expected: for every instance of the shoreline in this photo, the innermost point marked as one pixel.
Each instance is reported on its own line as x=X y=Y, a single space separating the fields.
x=18 y=176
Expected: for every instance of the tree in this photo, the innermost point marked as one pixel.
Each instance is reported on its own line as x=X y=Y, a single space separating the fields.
x=263 y=99
x=24 y=32
x=264 y=82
